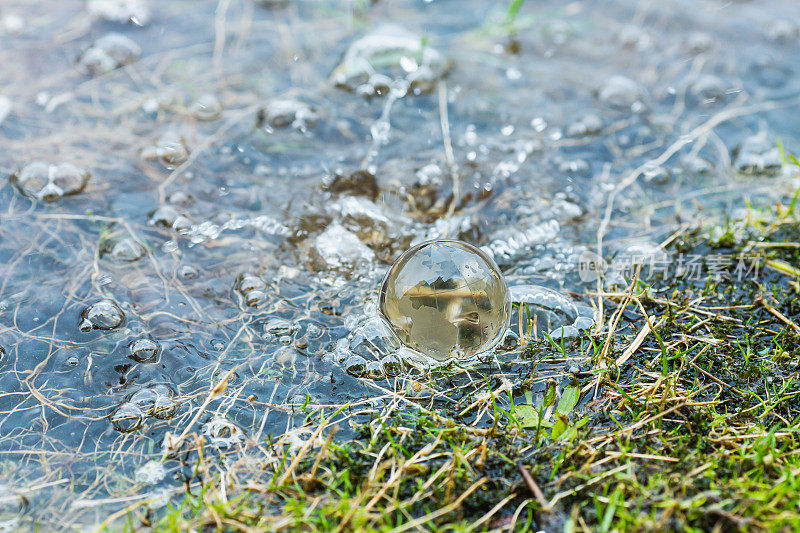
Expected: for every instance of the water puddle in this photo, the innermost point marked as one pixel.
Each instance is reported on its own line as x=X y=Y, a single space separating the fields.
x=197 y=199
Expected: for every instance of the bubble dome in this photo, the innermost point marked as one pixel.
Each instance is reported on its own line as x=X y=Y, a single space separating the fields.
x=446 y=299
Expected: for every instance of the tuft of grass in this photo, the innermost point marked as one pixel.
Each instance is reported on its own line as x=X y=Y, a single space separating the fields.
x=513 y=10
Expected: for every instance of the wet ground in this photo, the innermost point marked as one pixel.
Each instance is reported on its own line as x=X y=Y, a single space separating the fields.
x=216 y=190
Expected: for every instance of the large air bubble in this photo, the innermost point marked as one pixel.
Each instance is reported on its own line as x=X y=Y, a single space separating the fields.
x=446 y=299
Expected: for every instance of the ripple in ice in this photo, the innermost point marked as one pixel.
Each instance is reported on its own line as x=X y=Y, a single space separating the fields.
x=553 y=313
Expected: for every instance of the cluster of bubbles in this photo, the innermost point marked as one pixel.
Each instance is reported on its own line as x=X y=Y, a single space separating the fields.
x=106 y=315
x=157 y=401
x=175 y=215
x=252 y=288
x=167 y=216
x=757 y=155
x=444 y=301
x=507 y=244
x=386 y=61
x=210 y=230
x=353 y=230
x=295 y=337
x=370 y=350
x=280 y=329
x=388 y=54
x=50 y=182
x=588 y=124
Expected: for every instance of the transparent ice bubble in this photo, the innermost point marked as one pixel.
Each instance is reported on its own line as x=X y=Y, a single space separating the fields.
x=698 y=42
x=557 y=32
x=392 y=365
x=373 y=339
x=387 y=54
x=104 y=314
x=770 y=73
x=254 y=298
x=155 y=401
x=374 y=370
x=121 y=11
x=144 y=350
x=757 y=154
x=710 y=88
x=635 y=38
x=285 y=112
x=164 y=216
x=170 y=149
x=249 y=283
x=150 y=473
x=188 y=272
x=12 y=506
x=621 y=93
x=107 y=53
x=144 y=399
x=510 y=340
x=206 y=107
x=127 y=250
x=164 y=407
x=696 y=165
x=355 y=365
x=127 y=418
x=589 y=124
x=253 y=289
x=280 y=327
x=657 y=175
x=222 y=433
x=48 y=182
x=446 y=299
